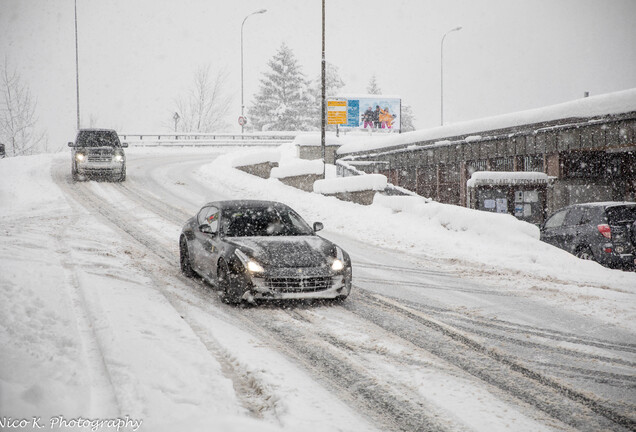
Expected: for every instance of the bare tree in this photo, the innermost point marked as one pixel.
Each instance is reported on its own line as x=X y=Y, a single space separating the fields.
x=17 y=116
x=206 y=106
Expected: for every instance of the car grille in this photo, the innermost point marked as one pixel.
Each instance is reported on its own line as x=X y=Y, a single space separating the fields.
x=296 y=284
x=99 y=157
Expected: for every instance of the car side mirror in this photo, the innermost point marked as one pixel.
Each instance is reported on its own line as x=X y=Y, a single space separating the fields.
x=70 y=144
x=318 y=226
x=206 y=229
x=124 y=145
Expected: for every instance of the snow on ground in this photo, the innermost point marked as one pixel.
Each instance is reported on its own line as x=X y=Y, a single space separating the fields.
x=497 y=248
x=88 y=329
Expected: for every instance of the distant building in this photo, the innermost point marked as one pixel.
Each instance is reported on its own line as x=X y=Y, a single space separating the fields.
x=586 y=147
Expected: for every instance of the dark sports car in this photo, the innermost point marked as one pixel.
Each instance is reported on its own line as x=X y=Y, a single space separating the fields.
x=262 y=250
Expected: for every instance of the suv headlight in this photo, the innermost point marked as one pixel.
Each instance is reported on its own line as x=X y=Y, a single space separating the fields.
x=80 y=157
x=119 y=157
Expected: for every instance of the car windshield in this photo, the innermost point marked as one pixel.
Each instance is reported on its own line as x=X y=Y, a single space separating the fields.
x=626 y=214
x=98 y=139
x=263 y=221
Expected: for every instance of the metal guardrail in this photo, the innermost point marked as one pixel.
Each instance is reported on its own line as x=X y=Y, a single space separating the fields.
x=205 y=140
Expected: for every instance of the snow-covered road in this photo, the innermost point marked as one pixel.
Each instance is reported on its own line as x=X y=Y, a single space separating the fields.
x=102 y=325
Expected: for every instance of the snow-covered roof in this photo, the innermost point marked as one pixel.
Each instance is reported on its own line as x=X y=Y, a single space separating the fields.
x=506 y=177
x=612 y=103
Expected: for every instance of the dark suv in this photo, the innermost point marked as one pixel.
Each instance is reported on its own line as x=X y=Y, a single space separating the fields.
x=98 y=153
x=603 y=232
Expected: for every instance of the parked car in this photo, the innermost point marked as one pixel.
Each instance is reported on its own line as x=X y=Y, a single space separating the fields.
x=254 y=250
x=604 y=232
x=98 y=153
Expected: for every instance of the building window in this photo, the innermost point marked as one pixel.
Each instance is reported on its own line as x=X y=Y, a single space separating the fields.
x=533 y=163
x=502 y=164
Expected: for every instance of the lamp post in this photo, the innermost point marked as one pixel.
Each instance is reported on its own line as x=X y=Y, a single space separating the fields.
x=242 y=103
x=442 y=73
x=77 y=70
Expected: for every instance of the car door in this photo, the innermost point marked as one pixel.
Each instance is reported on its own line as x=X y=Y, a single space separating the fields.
x=206 y=242
x=572 y=233
x=551 y=231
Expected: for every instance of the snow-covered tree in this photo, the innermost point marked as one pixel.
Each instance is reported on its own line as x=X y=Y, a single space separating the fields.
x=333 y=84
x=18 y=122
x=205 y=108
x=372 y=87
x=283 y=101
x=407 y=118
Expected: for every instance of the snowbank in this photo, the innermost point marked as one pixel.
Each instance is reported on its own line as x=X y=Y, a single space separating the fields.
x=297 y=168
x=376 y=182
x=255 y=157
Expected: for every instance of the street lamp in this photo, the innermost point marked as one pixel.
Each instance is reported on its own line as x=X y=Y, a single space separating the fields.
x=242 y=104
x=442 y=72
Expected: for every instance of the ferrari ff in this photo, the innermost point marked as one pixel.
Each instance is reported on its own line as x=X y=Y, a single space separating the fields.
x=253 y=250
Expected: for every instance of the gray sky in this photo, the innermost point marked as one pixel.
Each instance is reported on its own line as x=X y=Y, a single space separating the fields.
x=137 y=56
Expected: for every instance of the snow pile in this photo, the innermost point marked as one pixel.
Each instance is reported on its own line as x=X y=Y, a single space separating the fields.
x=251 y=157
x=494 y=226
x=16 y=194
x=376 y=182
x=298 y=167
x=504 y=177
x=613 y=103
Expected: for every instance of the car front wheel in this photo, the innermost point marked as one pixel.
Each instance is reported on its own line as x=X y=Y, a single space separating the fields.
x=184 y=259
x=232 y=286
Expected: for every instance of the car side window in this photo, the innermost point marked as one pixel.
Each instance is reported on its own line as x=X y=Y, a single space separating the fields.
x=209 y=216
x=573 y=217
x=556 y=220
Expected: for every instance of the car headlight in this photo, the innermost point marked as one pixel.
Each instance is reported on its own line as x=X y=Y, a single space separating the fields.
x=119 y=157
x=80 y=157
x=254 y=267
x=337 y=265
x=249 y=263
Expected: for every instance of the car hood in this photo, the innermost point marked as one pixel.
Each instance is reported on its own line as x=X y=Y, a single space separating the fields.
x=292 y=251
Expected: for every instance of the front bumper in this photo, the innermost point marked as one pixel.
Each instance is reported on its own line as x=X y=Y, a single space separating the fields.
x=100 y=168
x=300 y=284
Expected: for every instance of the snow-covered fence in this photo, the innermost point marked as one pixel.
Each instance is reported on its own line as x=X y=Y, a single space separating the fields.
x=270 y=139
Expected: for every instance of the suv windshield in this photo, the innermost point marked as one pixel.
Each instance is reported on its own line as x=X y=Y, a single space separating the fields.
x=263 y=221
x=97 y=139
x=621 y=214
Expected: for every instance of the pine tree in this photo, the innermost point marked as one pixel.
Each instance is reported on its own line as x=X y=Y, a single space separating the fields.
x=372 y=87
x=283 y=102
x=333 y=84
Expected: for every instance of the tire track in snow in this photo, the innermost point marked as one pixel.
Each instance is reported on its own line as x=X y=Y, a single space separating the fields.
x=253 y=396
x=576 y=409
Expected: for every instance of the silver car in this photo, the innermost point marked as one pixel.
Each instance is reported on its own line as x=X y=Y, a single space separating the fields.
x=98 y=153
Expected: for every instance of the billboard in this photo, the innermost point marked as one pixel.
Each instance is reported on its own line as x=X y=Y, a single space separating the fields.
x=375 y=112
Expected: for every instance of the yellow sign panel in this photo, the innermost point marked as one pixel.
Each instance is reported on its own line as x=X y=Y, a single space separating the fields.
x=336 y=112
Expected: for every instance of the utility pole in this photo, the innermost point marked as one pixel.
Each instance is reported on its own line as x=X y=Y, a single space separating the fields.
x=323 y=102
x=77 y=70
